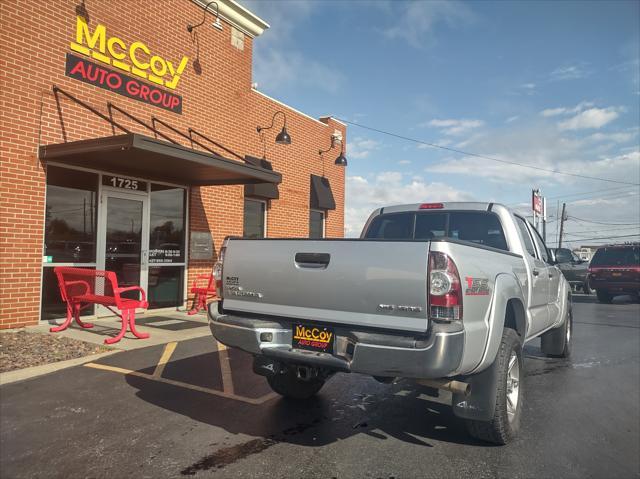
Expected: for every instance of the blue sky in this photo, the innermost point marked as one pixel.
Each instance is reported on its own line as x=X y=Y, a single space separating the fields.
x=550 y=84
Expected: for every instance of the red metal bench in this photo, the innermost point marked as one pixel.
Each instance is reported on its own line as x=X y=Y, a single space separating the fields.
x=202 y=294
x=81 y=288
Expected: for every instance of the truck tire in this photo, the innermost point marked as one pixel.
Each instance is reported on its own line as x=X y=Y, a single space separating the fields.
x=603 y=296
x=505 y=423
x=556 y=343
x=288 y=385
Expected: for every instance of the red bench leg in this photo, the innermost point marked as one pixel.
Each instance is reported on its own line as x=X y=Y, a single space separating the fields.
x=132 y=326
x=77 y=315
x=123 y=329
x=66 y=323
x=197 y=304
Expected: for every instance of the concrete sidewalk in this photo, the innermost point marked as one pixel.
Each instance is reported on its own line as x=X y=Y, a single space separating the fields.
x=163 y=328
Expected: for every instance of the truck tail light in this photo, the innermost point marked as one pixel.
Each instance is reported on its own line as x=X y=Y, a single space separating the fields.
x=431 y=206
x=218 y=268
x=445 y=289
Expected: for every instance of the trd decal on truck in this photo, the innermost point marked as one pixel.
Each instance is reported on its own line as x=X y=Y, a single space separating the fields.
x=477 y=286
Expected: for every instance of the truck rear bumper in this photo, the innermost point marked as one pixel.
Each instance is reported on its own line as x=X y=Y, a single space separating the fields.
x=437 y=355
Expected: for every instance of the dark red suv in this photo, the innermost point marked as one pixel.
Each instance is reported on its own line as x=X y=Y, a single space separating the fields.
x=615 y=270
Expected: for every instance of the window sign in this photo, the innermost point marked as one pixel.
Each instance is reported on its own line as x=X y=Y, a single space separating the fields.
x=124 y=183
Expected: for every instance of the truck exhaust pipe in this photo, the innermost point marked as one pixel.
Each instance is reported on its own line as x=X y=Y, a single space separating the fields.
x=457 y=387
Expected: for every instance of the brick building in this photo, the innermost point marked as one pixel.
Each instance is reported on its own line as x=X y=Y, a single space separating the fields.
x=130 y=143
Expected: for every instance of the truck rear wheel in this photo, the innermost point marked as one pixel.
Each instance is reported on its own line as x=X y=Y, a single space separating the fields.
x=290 y=386
x=604 y=296
x=505 y=423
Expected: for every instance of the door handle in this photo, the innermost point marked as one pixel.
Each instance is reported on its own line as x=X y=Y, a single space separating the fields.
x=536 y=272
x=312 y=260
x=550 y=275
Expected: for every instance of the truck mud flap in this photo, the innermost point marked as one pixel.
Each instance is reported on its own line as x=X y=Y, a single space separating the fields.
x=481 y=402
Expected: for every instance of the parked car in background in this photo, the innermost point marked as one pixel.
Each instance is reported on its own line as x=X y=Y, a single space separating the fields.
x=575 y=270
x=445 y=294
x=615 y=270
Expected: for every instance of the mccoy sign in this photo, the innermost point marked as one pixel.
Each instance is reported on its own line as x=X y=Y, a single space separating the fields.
x=135 y=58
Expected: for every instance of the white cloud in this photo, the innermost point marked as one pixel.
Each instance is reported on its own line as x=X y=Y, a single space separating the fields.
x=616 y=137
x=569 y=72
x=593 y=118
x=272 y=68
x=404 y=162
x=390 y=188
x=416 y=24
x=454 y=127
x=566 y=110
x=541 y=146
x=361 y=147
x=511 y=119
x=528 y=88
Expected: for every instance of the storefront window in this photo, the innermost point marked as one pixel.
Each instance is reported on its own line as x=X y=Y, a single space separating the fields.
x=254 y=216
x=166 y=286
x=166 y=246
x=70 y=216
x=316 y=224
x=69 y=231
x=166 y=242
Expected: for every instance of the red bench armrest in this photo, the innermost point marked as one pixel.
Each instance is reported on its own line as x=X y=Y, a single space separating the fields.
x=134 y=288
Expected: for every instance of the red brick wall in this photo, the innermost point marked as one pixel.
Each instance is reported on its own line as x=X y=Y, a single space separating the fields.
x=34 y=39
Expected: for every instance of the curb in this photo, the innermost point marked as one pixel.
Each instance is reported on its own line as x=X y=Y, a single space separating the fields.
x=35 y=371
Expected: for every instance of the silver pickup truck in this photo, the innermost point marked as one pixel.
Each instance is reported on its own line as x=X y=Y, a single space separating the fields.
x=445 y=294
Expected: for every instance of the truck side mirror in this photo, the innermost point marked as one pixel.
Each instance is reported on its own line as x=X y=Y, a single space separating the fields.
x=552 y=256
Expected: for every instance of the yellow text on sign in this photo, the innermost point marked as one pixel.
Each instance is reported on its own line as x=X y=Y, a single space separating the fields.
x=135 y=58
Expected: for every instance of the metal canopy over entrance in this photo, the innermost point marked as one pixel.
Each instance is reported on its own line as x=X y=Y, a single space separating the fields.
x=134 y=154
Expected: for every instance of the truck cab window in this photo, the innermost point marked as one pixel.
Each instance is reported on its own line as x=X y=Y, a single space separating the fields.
x=526 y=237
x=544 y=255
x=393 y=226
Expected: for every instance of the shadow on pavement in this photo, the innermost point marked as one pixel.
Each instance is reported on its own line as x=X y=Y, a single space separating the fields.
x=346 y=406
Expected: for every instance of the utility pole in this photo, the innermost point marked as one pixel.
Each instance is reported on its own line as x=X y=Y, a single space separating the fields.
x=564 y=205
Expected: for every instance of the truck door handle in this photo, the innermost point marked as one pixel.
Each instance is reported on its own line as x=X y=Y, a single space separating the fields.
x=312 y=260
x=536 y=272
x=550 y=275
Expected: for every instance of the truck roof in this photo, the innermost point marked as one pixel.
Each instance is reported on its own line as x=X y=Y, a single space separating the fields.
x=449 y=205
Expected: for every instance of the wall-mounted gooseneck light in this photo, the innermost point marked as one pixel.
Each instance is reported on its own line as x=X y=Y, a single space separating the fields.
x=283 y=137
x=81 y=11
x=341 y=160
x=217 y=24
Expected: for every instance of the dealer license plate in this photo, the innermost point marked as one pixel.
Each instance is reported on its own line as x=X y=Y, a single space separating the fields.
x=313 y=338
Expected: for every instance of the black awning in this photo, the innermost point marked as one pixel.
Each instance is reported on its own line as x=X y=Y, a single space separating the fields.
x=261 y=190
x=138 y=155
x=321 y=195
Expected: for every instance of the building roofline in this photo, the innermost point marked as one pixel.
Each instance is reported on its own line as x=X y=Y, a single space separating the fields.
x=238 y=16
x=288 y=107
x=334 y=119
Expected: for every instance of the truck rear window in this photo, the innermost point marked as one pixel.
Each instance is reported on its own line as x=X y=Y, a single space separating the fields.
x=479 y=227
x=629 y=256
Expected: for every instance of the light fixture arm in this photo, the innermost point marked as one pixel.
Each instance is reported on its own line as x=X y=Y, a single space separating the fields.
x=273 y=119
x=191 y=28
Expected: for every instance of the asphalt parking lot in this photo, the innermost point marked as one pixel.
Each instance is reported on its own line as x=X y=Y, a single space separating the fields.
x=193 y=409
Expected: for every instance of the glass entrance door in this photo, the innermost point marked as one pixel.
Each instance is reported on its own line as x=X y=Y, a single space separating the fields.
x=124 y=239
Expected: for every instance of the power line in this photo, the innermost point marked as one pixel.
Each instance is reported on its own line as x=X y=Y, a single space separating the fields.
x=606 y=224
x=614 y=196
x=476 y=155
x=590 y=192
x=604 y=238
